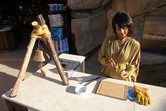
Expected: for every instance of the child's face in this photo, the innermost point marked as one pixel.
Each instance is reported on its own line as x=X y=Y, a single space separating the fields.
x=121 y=32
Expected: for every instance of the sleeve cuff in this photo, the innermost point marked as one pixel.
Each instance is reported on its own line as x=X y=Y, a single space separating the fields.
x=103 y=61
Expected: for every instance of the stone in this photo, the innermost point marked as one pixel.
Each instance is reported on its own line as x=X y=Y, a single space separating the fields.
x=151 y=59
x=138 y=32
x=80 y=14
x=89 y=32
x=153 y=74
x=159 y=12
x=137 y=7
x=118 y=5
x=98 y=10
x=110 y=14
x=86 y=4
x=138 y=22
x=152 y=69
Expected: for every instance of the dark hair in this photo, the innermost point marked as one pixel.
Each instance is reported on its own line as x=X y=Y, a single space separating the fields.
x=122 y=19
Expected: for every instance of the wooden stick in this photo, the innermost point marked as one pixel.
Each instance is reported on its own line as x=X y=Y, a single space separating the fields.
x=23 y=68
x=57 y=62
x=24 y=65
x=54 y=53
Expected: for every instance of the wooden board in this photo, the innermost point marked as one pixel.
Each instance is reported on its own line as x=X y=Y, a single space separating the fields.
x=111 y=89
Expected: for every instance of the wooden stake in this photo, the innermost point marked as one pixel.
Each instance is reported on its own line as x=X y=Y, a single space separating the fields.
x=54 y=53
x=25 y=63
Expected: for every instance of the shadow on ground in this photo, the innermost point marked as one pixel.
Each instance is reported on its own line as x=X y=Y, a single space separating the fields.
x=6 y=83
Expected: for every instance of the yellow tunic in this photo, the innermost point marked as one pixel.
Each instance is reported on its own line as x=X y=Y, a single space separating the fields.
x=126 y=57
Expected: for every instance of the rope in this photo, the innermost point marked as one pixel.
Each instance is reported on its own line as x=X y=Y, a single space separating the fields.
x=42 y=33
